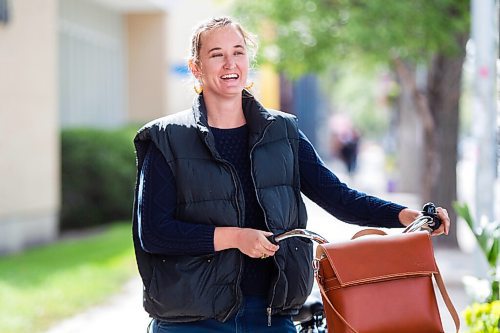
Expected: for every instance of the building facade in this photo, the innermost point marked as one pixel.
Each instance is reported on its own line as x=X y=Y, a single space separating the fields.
x=68 y=63
x=29 y=124
x=90 y=63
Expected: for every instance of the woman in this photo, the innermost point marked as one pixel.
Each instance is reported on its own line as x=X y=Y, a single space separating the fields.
x=213 y=182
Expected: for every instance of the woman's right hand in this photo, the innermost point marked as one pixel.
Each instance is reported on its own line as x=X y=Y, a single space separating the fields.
x=251 y=242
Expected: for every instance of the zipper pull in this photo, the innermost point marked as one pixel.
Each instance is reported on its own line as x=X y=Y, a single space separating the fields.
x=269 y=312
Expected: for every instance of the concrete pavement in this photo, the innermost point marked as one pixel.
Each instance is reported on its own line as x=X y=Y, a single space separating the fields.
x=124 y=313
x=121 y=313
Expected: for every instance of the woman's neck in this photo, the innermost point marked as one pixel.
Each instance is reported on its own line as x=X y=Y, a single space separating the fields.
x=224 y=112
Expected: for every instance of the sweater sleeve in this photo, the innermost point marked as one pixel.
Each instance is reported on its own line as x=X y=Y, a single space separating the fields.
x=159 y=231
x=323 y=187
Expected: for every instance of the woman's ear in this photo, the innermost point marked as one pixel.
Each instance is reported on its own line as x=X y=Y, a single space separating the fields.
x=195 y=69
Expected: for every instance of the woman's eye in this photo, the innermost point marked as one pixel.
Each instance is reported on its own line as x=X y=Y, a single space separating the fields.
x=216 y=55
x=239 y=53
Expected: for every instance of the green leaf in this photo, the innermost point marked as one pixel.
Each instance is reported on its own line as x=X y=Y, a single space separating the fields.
x=487 y=238
x=462 y=210
x=494 y=252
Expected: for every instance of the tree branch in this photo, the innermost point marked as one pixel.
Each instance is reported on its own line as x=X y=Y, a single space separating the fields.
x=421 y=102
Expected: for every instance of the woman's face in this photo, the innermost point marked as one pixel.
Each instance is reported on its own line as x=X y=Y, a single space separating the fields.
x=223 y=66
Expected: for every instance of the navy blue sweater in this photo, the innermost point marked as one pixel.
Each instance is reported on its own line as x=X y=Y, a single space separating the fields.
x=162 y=233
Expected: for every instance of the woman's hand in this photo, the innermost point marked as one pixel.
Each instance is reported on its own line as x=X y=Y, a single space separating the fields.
x=251 y=242
x=407 y=216
x=445 y=222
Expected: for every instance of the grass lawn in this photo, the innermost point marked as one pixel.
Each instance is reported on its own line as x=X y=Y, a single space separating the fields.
x=45 y=284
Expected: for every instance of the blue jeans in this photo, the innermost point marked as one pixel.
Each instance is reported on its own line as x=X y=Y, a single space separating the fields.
x=251 y=318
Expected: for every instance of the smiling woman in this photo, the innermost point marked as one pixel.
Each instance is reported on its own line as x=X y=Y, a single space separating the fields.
x=214 y=182
x=220 y=64
x=223 y=65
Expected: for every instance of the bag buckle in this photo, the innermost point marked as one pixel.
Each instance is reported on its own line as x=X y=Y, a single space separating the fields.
x=315 y=266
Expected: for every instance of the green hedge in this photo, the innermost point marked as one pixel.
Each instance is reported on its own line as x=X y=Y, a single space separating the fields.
x=98 y=176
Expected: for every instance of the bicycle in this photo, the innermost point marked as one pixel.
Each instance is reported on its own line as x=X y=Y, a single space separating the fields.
x=311 y=317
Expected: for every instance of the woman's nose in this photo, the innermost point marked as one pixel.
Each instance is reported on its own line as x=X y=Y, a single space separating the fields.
x=229 y=63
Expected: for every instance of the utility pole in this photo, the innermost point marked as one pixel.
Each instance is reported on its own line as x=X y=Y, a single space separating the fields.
x=485 y=38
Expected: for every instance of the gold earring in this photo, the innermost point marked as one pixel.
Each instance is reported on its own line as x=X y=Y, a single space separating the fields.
x=198 y=89
x=249 y=86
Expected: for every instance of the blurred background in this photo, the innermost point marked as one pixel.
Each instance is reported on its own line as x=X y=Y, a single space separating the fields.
x=400 y=98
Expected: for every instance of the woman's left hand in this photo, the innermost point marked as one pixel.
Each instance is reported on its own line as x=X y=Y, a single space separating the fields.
x=407 y=216
x=445 y=222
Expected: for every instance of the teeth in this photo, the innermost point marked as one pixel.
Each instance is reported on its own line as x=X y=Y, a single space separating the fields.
x=230 y=76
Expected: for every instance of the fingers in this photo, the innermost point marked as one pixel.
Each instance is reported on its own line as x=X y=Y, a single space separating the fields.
x=265 y=246
x=445 y=222
x=255 y=244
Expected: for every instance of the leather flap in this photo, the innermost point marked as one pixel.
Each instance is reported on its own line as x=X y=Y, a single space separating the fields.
x=376 y=257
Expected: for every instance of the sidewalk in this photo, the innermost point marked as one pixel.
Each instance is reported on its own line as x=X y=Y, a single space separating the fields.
x=124 y=313
x=121 y=313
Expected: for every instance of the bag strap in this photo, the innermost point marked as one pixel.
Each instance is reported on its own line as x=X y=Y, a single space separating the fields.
x=323 y=293
x=366 y=232
x=446 y=298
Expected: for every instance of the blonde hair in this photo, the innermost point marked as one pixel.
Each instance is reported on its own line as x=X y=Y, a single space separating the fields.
x=215 y=23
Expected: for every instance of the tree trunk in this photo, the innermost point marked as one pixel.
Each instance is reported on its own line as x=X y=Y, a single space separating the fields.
x=407 y=75
x=410 y=142
x=438 y=108
x=443 y=93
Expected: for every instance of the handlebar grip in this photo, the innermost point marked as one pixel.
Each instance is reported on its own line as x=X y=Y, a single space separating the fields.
x=429 y=209
x=272 y=239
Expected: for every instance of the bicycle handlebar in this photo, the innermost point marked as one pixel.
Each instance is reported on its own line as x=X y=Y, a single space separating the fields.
x=430 y=210
x=428 y=221
x=275 y=239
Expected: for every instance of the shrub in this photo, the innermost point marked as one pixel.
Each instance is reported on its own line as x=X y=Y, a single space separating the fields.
x=483 y=317
x=98 y=175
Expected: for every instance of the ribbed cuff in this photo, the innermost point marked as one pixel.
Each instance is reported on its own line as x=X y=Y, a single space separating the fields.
x=391 y=217
x=205 y=241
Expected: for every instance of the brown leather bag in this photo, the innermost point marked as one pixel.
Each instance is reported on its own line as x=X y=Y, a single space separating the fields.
x=381 y=284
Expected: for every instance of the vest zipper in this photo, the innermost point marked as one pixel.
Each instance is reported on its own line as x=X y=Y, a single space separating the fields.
x=269 y=308
x=240 y=218
x=240 y=271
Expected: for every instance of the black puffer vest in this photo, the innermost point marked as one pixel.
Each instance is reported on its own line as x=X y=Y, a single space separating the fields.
x=190 y=288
